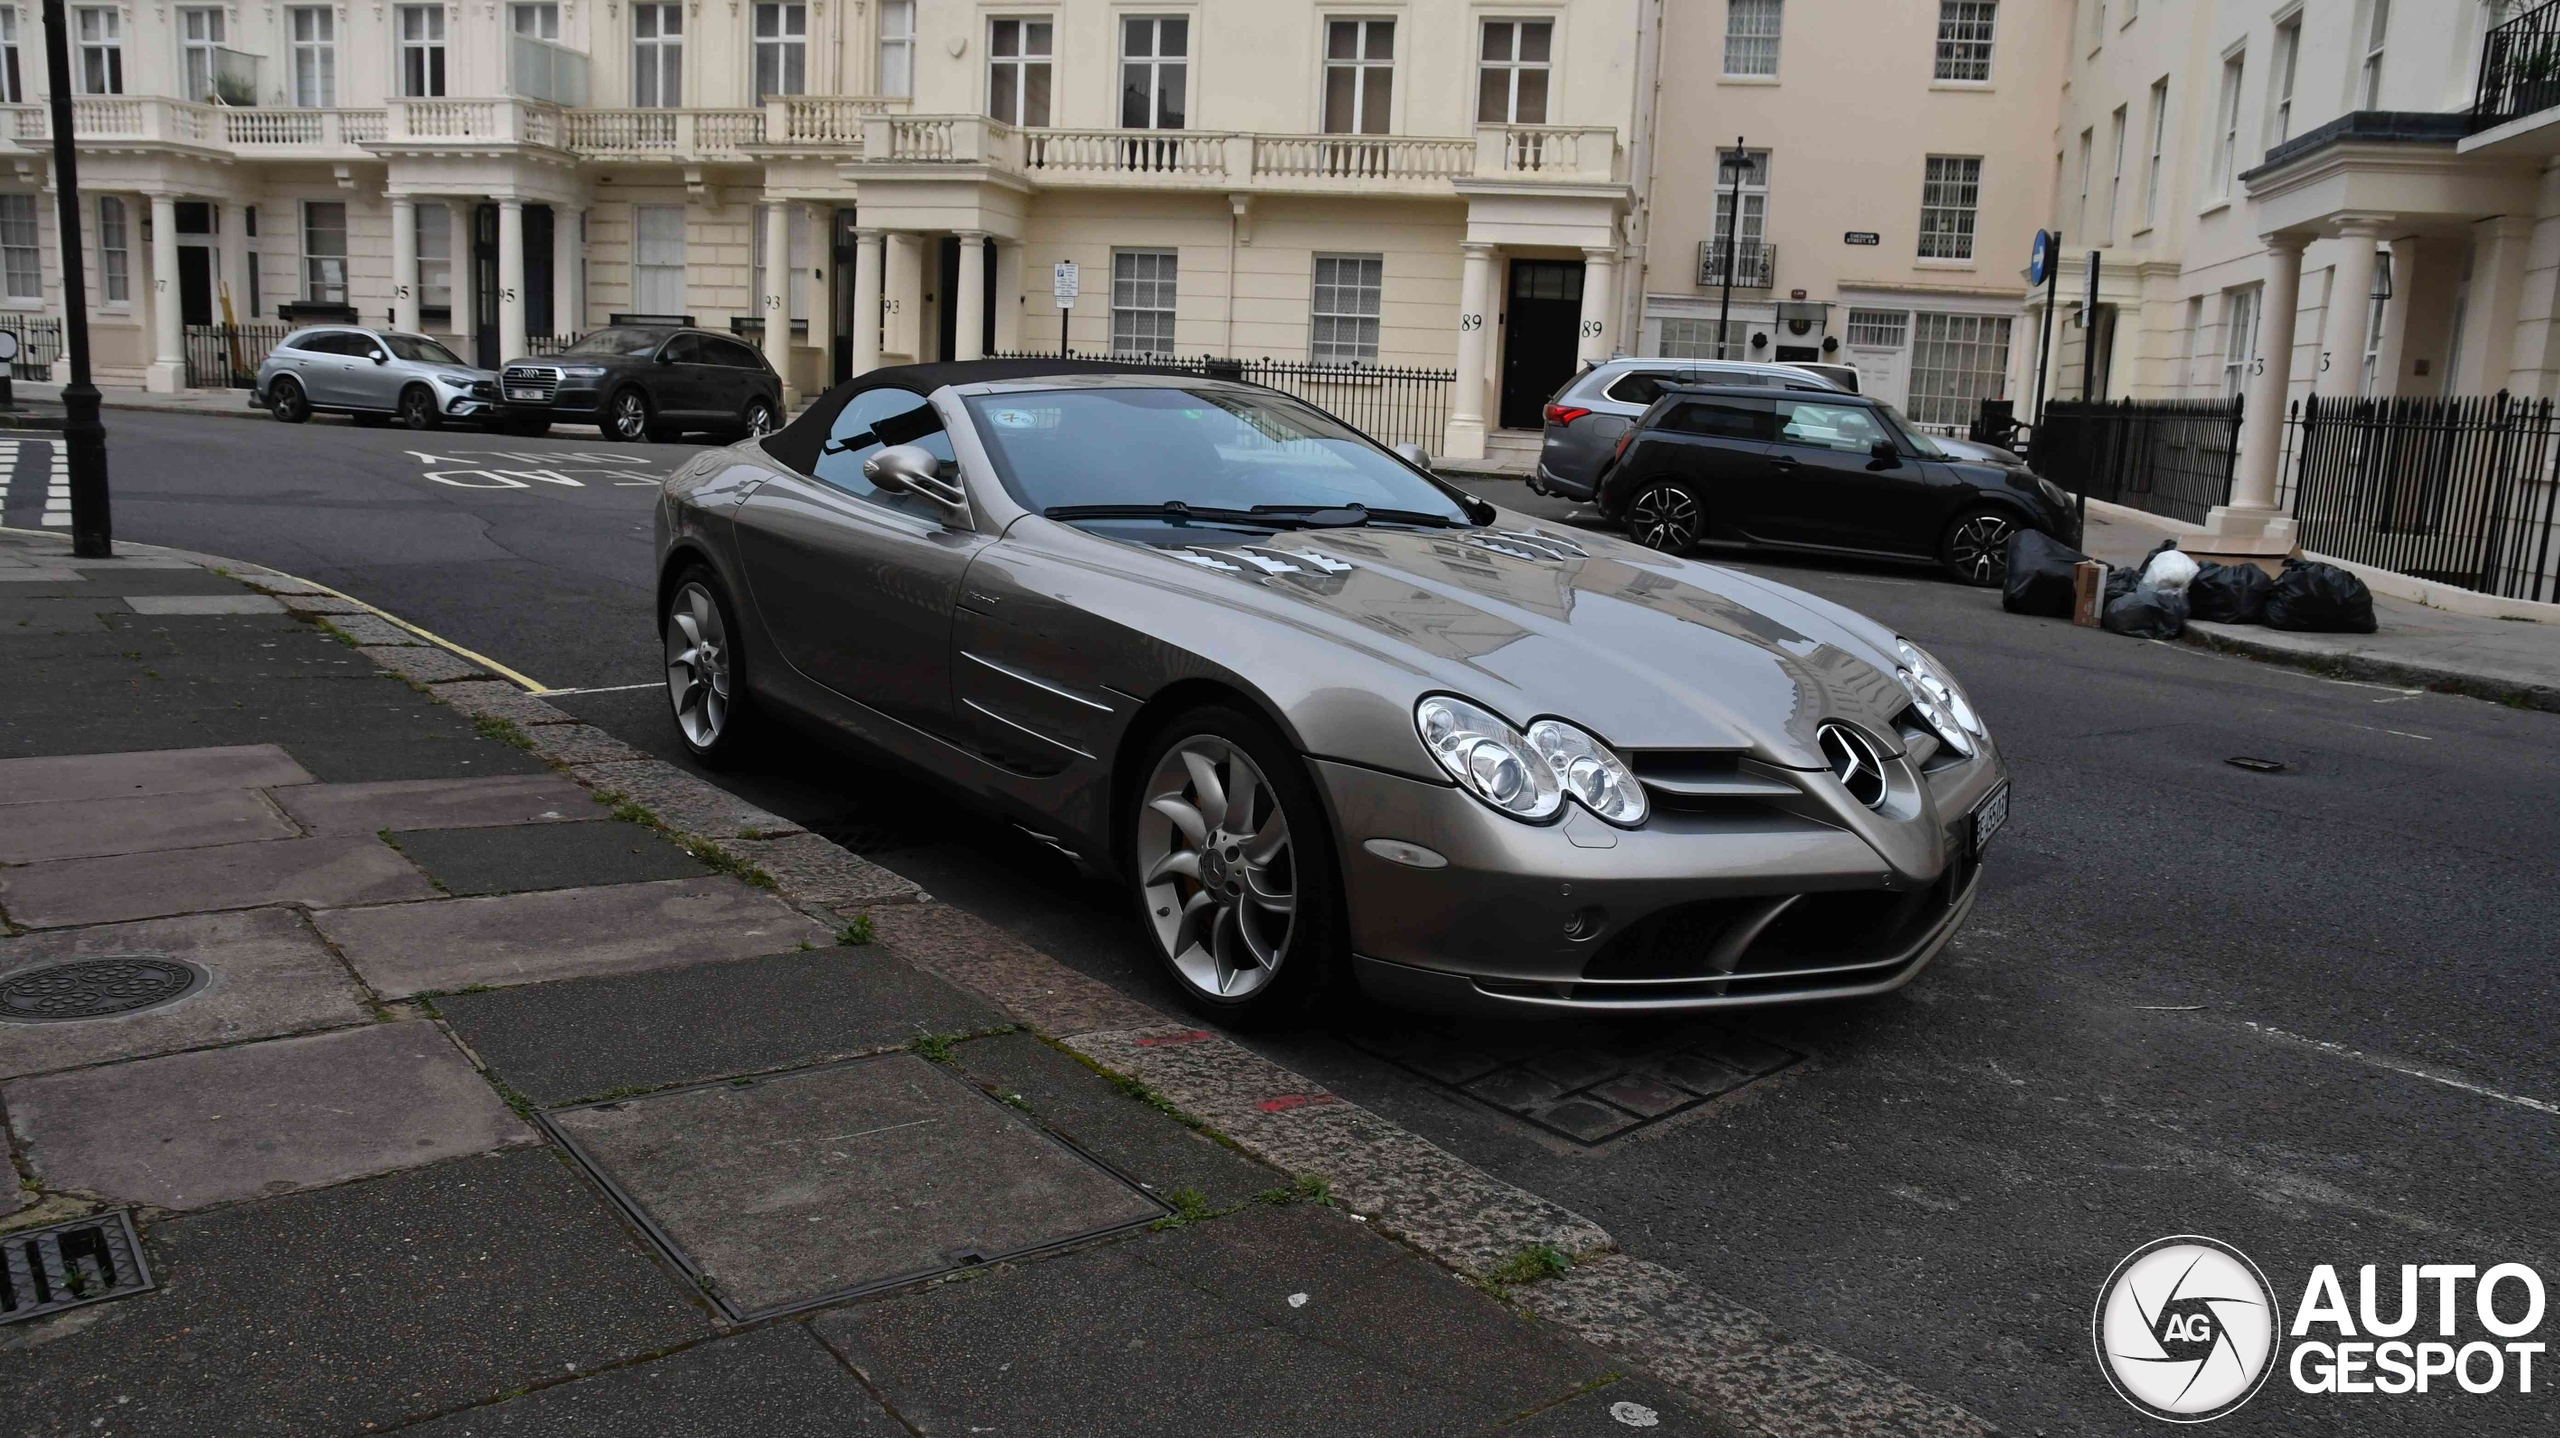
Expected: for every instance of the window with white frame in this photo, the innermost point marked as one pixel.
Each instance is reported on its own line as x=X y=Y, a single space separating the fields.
x=1142 y=295
x=314 y=29
x=2239 y=338
x=2159 y=145
x=1511 y=72
x=657 y=259
x=199 y=36
x=1019 y=53
x=657 y=57
x=12 y=89
x=782 y=49
x=1342 y=318
x=1957 y=362
x=100 y=31
x=1751 y=36
x=1964 y=39
x=2369 y=73
x=435 y=257
x=2115 y=170
x=2288 y=57
x=421 y=51
x=1950 y=194
x=799 y=243
x=1155 y=72
x=21 y=272
x=2088 y=147
x=2189 y=354
x=1878 y=329
x=1696 y=339
x=2226 y=130
x=115 y=251
x=1751 y=194
x=897 y=48
x=540 y=22
x=1359 y=76
x=324 y=251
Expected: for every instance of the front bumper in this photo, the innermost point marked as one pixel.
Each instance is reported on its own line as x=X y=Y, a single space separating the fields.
x=569 y=406
x=1720 y=906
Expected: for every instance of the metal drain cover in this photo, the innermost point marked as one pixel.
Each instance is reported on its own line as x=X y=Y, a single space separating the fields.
x=1601 y=1088
x=98 y=987
x=66 y=1265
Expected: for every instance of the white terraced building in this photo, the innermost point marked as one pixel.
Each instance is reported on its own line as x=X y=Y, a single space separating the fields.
x=1427 y=183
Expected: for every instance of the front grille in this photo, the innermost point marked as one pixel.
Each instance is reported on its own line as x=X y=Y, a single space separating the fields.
x=531 y=383
x=46 y=1270
x=1773 y=943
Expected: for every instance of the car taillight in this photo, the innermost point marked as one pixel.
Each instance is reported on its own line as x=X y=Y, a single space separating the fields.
x=1564 y=413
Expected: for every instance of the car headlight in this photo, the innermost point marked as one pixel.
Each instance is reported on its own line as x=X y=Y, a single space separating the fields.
x=582 y=371
x=1591 y=775
x=2061 y=497
x=1938 y=698
x=451 y=380
x=1488 y=757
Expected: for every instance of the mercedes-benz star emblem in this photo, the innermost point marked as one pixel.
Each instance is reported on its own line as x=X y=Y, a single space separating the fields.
x=1854 y=762
x=2186 y=1328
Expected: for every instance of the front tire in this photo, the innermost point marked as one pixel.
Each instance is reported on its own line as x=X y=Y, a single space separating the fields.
x=704 y=694
x=627 y=418
x=287 y=402
x=1666 y=514
x=418 y=408
x=1975 y=548
x=1231 y=863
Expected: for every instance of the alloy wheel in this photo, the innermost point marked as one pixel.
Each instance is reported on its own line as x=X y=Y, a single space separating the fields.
x=285 y=401
x=1664 y=517
x=1978 y=548
x=630 y=415
x=760 y=419
x=698 y=665
x=418 y=410
x=1221 y=882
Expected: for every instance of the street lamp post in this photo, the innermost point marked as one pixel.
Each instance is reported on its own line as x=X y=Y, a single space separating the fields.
x=84 y=438
x=1737 y=165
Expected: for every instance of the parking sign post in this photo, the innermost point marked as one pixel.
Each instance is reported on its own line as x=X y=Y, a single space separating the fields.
x=1063 y=282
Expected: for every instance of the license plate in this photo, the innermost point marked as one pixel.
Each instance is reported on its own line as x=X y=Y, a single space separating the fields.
x=1988 y=816
x=524 y=394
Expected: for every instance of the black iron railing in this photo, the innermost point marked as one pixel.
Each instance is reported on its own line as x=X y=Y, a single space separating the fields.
x=228 y=356
x=39 y=345
x=548 y=344
x=2519 y=69
x=1755 y=265
x=2456 y=490
x=2168 y=457
x=1389 y=403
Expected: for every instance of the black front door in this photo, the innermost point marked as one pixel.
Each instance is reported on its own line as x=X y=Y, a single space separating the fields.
x=537 y=270
x=195 y=284
x=484 y=287
x=951 y=282
x=840 y=296
x=1539 y=342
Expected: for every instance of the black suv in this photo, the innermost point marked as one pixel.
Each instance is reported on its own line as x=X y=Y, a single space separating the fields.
x=652 y=382
x=1842 y=473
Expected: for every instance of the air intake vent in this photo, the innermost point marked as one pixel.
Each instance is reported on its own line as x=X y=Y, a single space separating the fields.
x=67 y=1265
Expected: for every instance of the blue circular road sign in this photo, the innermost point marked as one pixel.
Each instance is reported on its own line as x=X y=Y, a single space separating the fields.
x=2040 y=260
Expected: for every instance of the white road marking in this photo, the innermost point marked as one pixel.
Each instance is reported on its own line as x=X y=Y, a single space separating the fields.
x=57 y=492
x=2401 y=1066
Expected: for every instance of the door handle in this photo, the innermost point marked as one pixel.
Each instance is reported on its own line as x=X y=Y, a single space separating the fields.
x=1785 y=461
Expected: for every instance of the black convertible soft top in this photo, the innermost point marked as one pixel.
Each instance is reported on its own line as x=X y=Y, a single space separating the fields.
x=799 y=443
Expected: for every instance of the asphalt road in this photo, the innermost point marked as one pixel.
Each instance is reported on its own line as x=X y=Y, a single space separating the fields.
x=2308 y=1013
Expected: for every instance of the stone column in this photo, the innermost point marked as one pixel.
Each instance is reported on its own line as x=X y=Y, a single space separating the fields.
x=1008 y=299
x=866 y=300
x=2500 y=246
x=821 y=306
x=461 y=270
x=2350 y=311
x=1464 y=438
x=168 y=371
x=511 y=333
x=2250 y=523
x=902 y=296
x=969 y=306
x=404 y=263
x=1599 y=266
x=568 y=271
x=775 y=303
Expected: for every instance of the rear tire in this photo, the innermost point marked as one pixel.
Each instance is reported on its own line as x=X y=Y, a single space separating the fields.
x=286 y=401
x=1975 y=548
x=761 y=417
x=418 y=408
x=705 y=693
x=1666 y=514
x=1230 y=861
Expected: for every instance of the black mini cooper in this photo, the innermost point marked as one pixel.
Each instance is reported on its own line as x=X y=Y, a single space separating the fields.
x=651 y=382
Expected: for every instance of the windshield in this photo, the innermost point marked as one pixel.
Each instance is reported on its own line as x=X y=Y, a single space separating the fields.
x=616 y=342
x=1205 y=449
x=1911 y=432
x=421 y=349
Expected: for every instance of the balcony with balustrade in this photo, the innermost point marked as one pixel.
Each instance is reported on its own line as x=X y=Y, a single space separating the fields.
x=213 y=130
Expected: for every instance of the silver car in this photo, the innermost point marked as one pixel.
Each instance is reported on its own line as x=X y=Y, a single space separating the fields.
x=373 y=375
x=1587 y=416
x=1317 y=715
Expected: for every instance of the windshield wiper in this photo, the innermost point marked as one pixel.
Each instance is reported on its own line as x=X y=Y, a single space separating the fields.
x=1176 y=511
x=1345 y=516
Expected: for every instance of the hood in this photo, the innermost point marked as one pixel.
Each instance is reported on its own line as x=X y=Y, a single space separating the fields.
x=1645 y=650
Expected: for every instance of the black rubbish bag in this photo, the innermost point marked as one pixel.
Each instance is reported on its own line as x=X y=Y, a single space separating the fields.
x=2040 y=581
x=2148 y=612
x=2229 y=594
x=2319 y=598
x=2121 y=581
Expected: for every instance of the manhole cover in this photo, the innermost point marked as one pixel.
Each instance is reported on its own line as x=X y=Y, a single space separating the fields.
x=96 y=988
x=1590 y=1087
x=46 y=1270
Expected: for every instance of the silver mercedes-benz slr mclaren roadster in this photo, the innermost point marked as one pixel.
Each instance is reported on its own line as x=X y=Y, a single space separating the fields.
x=1321 y=715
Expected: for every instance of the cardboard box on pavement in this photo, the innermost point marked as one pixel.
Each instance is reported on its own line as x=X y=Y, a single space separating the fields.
x=2088 y=592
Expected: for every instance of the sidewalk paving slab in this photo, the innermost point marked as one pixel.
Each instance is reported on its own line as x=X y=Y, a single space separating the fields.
x=318 y=872
x=406 y=949
x=585 y=1037
x=523 y=858
x=149 y=823
x=327 y=1314
x=202 y=604
x=221 y=1125
x=1163 y=1154
x=436 y=803
x=165 y=771
x=271 y=975
x=776 y=1382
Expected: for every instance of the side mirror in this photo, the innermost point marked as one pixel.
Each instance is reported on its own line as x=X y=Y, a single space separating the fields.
x=913 y=469
x=1415 y=455
x=381 y=357
x=1883 y=452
